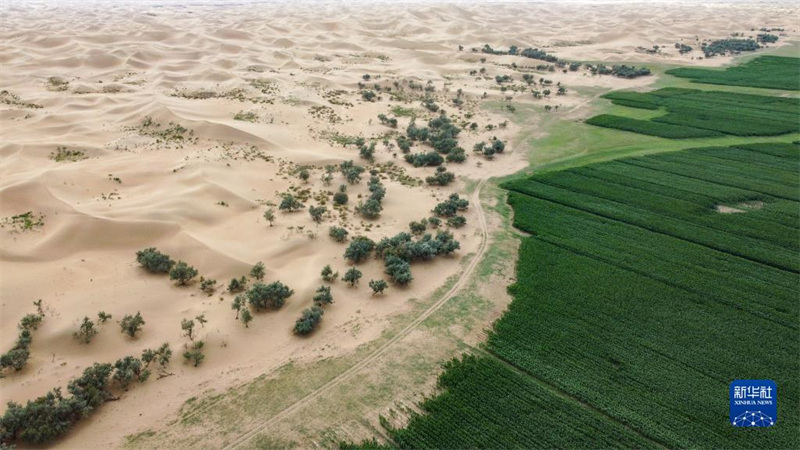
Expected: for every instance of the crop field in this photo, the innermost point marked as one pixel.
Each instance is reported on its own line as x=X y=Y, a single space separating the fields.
x=637 y=302
x=771 y=72
x=694 y=113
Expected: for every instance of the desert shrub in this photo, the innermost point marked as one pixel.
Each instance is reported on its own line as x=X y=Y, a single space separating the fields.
x=338 y=234
x=369 y=95
x=457 y=155
x=194 y=354
x=309 y=320
x=352 y=276
x=154 y=261
x=269 y=216
x=265 y=296
x=182 y=273
x=378 y=286
x=208 y=285
x=367 y=152
x=370 y=209
x=328 y=274
x=352 y=173
x=323 y=296
x=290 y=203
x=86 y=332
x=317 y=212
x=398 y=269
x=451 y=206
x=424 y=159
x=128 y=370
x=418 y=227
x=456 y=221
x=441 y=178
x=359 y=249
x=131 y=325
x=237 y=285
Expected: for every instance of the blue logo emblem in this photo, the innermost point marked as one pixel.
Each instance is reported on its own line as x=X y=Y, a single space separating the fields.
x=754 y=403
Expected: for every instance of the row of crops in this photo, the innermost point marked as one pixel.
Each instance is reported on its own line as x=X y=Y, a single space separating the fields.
x=637 y=303
x=691 y=113
x=772 y=72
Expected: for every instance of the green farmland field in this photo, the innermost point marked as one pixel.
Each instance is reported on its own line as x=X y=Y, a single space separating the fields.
x=772 y=72
x=690 y=113
x=636 y=303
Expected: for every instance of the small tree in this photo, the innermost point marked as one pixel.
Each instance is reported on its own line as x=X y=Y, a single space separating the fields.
x=237 y=285
x=86 y=332
x=263 y=296
x=304 y=175
x=154 y=261
x=194 y=353
x=247 y=317
x=201 y=319
x=352 y=276
x=340 y=198
x=418 y=227
x=309 y=320
x=359 y=249
x=131 y=325
x=338 y=234
x=258 y=271
x=269 y=215
x=456 y=221
x=183 y=273
x=378 y=286
x=129 y=369
x=102 y=317
x=160 y=356
x=291 y=204
x=317 y=212
x=187 y=325
x=328 y=274
x=323 y=296
x=239 y=302
x=208 y=285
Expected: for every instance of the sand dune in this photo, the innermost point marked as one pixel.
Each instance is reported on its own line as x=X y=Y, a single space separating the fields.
x=201 y=196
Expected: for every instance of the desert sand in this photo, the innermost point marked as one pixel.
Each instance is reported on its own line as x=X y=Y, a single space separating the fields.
x=87 y=76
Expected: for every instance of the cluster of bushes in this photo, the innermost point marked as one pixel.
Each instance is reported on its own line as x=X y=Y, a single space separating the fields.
x=766 y=38
x=442 y=177
x=426 y=159
x=50 y=416
x=489 y=149
x=17 y=357
x=682 y=48
x=441 y=134
x=729 y=45
x=533 y=53
x=367 y=151
x=622 y=71
x=156 y=262
x=500 y=79
x=290 y=203
x=351 y=172
x=388 y=121
x=372 y=207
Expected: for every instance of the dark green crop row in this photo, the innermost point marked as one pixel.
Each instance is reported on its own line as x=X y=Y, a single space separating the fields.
x=664 y=130
x=702 y=114
x=772 y=72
